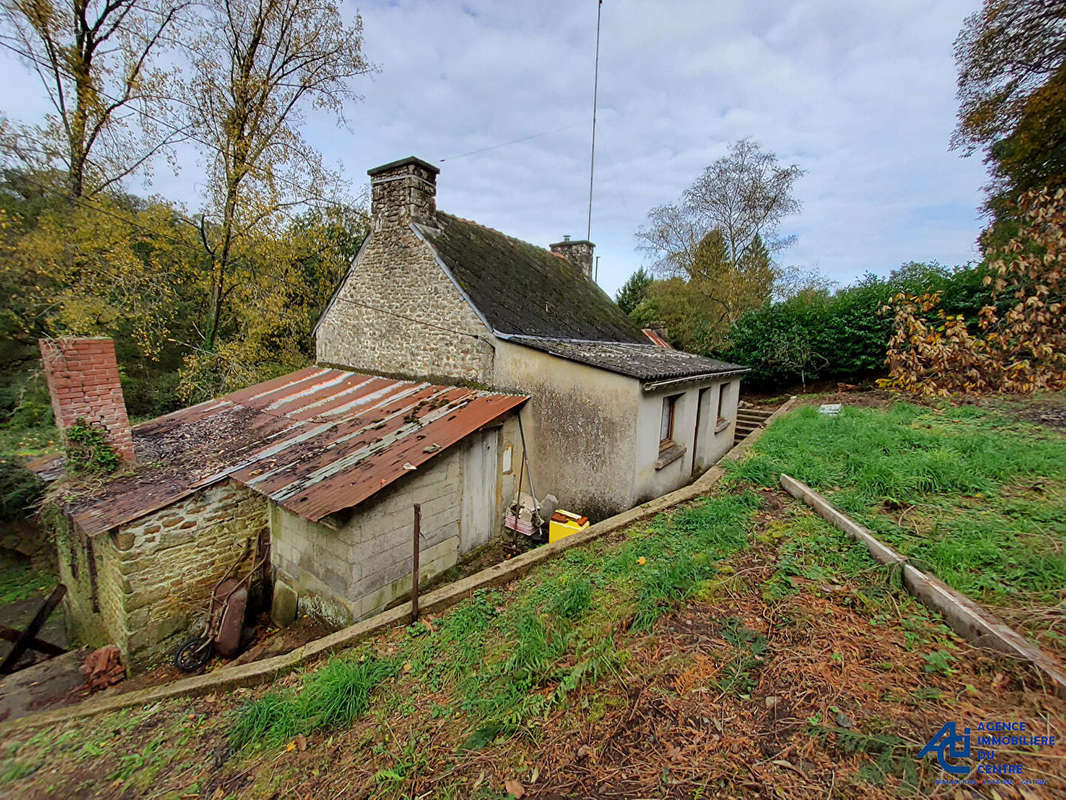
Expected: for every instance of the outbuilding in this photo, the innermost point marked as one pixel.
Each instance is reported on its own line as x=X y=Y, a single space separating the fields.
x=315 y=473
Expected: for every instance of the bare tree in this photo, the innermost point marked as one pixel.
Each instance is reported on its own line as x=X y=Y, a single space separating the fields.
x=256 y=69
x=95 y=61
x=745 y=195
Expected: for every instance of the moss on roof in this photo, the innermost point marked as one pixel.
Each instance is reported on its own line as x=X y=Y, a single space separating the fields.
x=525 y=290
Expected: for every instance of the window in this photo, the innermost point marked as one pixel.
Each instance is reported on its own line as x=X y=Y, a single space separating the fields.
x=666 y=429
x=720 y=422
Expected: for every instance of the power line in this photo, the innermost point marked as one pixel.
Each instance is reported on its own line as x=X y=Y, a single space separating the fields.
x=513 y=141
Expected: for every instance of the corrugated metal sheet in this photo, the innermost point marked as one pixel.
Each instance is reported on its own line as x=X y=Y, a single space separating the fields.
x=316 y=441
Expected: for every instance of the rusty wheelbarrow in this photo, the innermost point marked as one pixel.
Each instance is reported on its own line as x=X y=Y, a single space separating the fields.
x=225 y=621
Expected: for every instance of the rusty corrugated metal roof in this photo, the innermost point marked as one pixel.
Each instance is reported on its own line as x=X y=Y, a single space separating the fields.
x=316 y=441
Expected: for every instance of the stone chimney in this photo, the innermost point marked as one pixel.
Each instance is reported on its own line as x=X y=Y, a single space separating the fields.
x=402 y=192
x=577 y=251
x=82 y=377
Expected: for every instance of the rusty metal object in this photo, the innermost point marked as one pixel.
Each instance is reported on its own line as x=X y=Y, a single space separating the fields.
x=231 y=599
x=316 y=441
x=414 y=565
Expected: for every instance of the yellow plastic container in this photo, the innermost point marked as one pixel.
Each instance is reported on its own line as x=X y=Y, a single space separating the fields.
x=565 y=523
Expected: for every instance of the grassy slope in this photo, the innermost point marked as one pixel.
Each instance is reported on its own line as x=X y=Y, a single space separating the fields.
x=972 y=494
x=735 y=643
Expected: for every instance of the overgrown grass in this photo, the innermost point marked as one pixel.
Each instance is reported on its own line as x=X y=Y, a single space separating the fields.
x=19 y=581
x=329 y=697
x=500 y=661
x=972 y=494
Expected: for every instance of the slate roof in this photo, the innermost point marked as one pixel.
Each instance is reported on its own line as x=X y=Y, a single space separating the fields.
x=316 y=441
x=525 y=290
x=646 y=362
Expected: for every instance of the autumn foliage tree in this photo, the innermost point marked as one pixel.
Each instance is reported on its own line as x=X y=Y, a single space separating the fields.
x=934 y=354
x=99 y=66
x=1011 y=58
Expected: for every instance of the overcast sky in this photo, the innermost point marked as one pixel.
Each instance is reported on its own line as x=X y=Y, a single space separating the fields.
x=860 y=95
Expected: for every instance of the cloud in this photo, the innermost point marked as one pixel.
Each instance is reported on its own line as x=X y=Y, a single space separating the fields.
x=860 y=95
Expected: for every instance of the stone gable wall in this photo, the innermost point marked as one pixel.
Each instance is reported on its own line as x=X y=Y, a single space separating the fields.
x=155 y=576
x=398 y=314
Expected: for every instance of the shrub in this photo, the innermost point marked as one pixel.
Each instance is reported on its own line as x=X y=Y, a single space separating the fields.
x=936 y=351
x=88 y=451
x=842 y=336
x=20 y=490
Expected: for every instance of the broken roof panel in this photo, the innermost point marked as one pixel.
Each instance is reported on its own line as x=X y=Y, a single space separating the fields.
x=645 y=362
x=316 y=441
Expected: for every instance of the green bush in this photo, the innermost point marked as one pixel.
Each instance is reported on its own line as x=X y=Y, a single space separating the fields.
x=88 y=451
x=20 y=490
x=842 y=336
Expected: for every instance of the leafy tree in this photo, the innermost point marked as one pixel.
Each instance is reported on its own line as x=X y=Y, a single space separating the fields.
x=935 y=353
x=715 y=245
x=97 y=64
x=292 y=274
x=1011 y=59
x=634 y=290
x=256 y=68
x=794 y=351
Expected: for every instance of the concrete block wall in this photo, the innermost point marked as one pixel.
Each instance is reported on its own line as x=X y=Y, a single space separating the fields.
x=347 y=574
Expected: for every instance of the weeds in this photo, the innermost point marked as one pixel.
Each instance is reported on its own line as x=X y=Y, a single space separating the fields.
x=751 y=648
x=330 y=697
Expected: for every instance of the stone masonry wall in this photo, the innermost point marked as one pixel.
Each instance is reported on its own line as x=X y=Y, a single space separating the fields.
x=156 y=575
x=347 y=574
x=398 y=314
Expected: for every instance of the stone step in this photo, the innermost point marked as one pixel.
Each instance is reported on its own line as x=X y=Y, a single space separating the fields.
x=751 y=413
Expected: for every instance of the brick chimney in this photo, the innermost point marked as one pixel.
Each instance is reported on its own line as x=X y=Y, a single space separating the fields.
x=402 y=192
x=82 y=376
x=577 y=251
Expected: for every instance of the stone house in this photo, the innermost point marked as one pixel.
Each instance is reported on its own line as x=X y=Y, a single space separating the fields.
x=315 y=473
x=614 y=417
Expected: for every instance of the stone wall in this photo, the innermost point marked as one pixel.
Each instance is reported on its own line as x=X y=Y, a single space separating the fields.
x=398 y=314
x=154 y=577
x=347 y=574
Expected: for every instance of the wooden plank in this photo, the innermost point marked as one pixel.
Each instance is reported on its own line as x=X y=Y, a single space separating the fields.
x=41 y=646
x=965 y=617
x=30 y=634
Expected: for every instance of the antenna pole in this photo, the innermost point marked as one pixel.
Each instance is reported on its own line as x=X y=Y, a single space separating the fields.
x=595 y=92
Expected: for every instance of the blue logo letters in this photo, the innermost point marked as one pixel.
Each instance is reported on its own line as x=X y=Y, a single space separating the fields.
x=947 y=739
